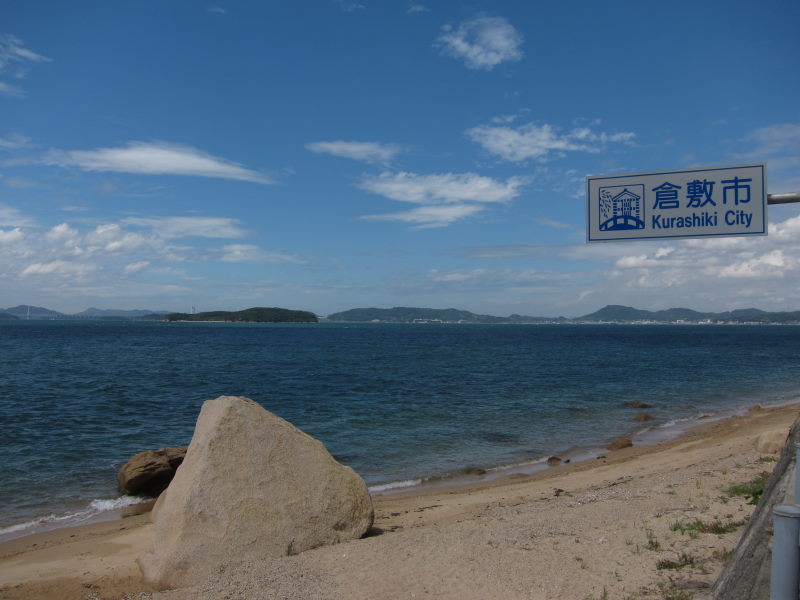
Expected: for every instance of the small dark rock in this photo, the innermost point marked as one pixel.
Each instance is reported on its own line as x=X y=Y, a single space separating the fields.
x=553 y=461
x=636 y=404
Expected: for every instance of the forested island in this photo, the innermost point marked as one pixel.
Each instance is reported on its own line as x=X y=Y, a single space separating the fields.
x=249 y=315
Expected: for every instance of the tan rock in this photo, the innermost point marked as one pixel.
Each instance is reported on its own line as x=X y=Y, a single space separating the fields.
x=149 y=472
x=252 y=486
x=620 y=443
x=642 y=418
x=771 y=442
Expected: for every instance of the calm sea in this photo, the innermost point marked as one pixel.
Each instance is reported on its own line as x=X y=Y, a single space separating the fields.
x=398 y=403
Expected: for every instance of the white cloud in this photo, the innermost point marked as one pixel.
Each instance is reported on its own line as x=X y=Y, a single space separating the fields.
x=538 y=141
x=59 y=268
x=776 y=140
x=11 y=237
x=6 y=89
x=418 y=8
x=442 y=188
x=430 y=216
x=217 y=10
x=14 y=141
x=183 y=227
x=14 y=54
x=136 y=267
x=447 y=197
x=370 y=152
x=348 y=5
x=553 y=223
x=11 y=217
x=757 y=266
x=253 y=253
x=112 y=238
x=61 y=233
x=155 y=158
x=482 y=43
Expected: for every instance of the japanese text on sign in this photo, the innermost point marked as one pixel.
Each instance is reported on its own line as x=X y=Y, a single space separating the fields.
x=702 y=202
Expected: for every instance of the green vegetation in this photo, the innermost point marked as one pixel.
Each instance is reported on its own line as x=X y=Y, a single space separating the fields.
x=751 y=489
x=250 y=315
x=684 y=560
x=652 y=543
x=699 y=526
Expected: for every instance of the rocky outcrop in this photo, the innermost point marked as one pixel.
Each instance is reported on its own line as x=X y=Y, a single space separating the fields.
x=252 y=486
x=149 y=473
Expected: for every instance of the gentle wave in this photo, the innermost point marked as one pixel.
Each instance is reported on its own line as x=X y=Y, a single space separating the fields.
x=393 y=485
x=95 y=509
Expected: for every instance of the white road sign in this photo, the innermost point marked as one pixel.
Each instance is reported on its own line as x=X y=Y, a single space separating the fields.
x=689 y=203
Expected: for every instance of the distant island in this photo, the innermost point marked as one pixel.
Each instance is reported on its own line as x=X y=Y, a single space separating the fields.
x=249 y=315
x=612 y=313
x=404 y=314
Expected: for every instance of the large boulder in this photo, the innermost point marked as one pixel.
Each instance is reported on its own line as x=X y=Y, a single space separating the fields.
x=252 y=486
x=149 y=473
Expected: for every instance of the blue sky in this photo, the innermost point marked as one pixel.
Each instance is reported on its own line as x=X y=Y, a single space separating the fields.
x=325 y=155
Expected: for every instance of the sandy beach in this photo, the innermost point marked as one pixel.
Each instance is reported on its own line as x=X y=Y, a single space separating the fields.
x=619 y=526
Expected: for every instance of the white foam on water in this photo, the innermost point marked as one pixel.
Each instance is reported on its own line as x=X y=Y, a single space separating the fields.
x=93 y=512
x=394 y=485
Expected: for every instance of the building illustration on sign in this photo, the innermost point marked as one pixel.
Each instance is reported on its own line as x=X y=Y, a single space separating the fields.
x=621 y=210
x=696 y=202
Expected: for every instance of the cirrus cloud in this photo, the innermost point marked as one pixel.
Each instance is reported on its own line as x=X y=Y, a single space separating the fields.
x=446 y=197
x=370 y=152
x=155 y=158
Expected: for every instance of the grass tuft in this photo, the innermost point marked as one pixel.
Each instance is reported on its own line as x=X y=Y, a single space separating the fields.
x=751 y=489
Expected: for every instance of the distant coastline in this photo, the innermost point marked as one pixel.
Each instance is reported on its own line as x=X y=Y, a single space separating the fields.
x=611 y=314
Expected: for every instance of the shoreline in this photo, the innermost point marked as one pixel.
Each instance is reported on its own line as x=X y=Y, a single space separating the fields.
x=641 y=436
x=417 y=521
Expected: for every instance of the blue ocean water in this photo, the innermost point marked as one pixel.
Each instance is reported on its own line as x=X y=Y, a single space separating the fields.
x=395 y=402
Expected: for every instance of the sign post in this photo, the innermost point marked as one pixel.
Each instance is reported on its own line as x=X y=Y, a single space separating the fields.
x=688 y=203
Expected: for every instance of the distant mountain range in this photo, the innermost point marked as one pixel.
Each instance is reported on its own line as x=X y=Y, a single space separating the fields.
x=627 y=314
x=609 y=314
x=37 y=312
x=613 y=313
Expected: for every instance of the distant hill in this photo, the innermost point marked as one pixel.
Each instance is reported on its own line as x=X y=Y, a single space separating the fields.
x=36 y=312
x=404 y=314
x=617 y=313
x=4 y=316
x=250 y=315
